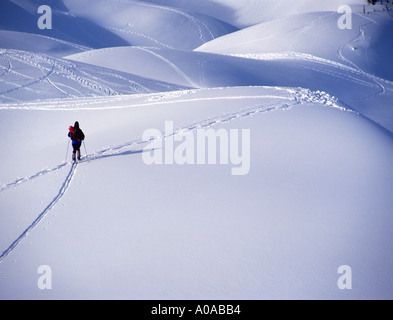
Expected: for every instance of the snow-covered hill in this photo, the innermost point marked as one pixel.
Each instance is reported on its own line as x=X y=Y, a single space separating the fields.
x=309 y=204
x=202 y=70
x=366 y=46
x=29 y=76
x=101 y=24
x=38 y=43
x=141 y=23
x=244 y=13
x=218 y=163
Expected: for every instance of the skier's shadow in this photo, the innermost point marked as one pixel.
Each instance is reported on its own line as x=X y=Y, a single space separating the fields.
x=125 y=153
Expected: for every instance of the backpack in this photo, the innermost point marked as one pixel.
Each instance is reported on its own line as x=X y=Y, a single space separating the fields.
x=77 y=135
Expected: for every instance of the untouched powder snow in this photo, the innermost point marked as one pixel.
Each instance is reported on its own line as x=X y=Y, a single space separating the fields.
x=218 y=163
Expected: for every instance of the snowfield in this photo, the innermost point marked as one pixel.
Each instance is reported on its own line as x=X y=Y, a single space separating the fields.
x=300 y=108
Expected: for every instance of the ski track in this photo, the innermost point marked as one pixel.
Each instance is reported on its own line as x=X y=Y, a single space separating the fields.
x=173 y=66
x=20 y=181
x=356 y=71
x=296 y=97
x=307 y=28
x=359 y=37
x=35 y=80
x=136 y=86
x=52 y=83
x=142 y=35
x=61 y=67
x=342 y=71
x=83 y=81
x=9 y=65
x=199 y=24
x=42 y=215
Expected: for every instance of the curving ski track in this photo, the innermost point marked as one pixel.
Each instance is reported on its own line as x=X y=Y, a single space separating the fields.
x=173 y=66
x=294 y=97
x=27 y=72
x=361 y=36
x=198 y=23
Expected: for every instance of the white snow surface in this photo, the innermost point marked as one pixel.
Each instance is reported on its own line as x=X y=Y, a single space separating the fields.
x=317 y=101
x=244 y=13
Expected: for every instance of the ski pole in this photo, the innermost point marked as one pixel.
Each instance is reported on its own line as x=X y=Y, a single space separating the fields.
x=84 y=145
x=68 y=147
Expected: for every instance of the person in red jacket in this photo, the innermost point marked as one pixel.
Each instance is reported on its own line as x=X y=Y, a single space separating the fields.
x=77 y=136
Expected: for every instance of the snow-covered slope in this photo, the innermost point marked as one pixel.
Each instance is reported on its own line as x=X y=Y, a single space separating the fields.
x=143 y=24
x=117 y=228
x=27 y=76
x=300 y=108
x=99 y=23
x=22 y=16
x=203 y=70
x=365 y=46
x=244 y=13
x=38 y=43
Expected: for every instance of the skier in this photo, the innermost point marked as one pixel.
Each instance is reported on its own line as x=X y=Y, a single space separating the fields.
x=77 y=136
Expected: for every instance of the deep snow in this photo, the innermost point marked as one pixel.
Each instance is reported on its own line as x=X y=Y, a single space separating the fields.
x=244 y=13
x=123 y=229
x=204 y=70
x=316 y=100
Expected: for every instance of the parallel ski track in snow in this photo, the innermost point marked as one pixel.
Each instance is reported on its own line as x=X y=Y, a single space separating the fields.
x=348 y=69
x=42 y=215
x=53 y=66
x=34 y=80
x=294 y=97
x=22 y=71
